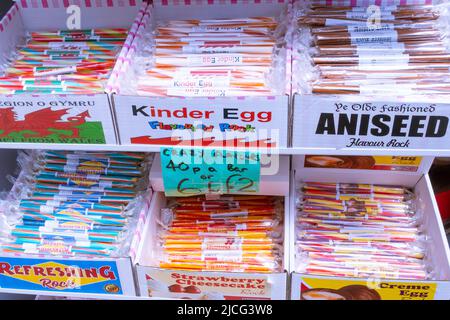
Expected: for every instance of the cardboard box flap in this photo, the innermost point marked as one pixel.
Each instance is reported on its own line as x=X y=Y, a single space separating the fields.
x=145 y=254
x=361 y=123
x=154 y=282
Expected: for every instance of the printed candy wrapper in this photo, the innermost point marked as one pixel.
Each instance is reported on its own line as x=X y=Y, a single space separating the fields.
x=70 y=179
x=378 y=234
x=69 y=62
x=358 y=32
x=42 y=297
x=80 y=215
x=223 y=57
x=230 y=233
x=405 y=52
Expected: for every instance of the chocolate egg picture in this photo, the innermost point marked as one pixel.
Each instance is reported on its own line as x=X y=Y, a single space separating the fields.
x=359 y=292
x=342 y=162
x=192 y=289
x=176 y=288
x=321 y=294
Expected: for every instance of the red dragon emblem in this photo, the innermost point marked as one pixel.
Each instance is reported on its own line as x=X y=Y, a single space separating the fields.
x=41 y=123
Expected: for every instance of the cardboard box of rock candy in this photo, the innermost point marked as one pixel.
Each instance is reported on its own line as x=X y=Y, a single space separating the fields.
x=307 y=287
x=61 y=118
x=208 y=285
x=195 y=118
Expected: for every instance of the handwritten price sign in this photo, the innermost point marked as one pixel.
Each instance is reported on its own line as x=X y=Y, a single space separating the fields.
x=188 y=172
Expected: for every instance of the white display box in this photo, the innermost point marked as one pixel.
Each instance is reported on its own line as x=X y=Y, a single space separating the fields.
x=59 y=118
x=388 y=289
x=214 y=285
x=222 y=121
x=109 y=278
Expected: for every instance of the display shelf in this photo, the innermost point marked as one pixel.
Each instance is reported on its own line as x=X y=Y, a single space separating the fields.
x=438 y=253
x=296 y=117
x=323 y=123
x=75 y=295
x=281 y=151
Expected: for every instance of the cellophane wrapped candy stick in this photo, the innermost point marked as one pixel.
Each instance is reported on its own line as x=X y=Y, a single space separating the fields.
x=82 y=204
x=355 y=230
